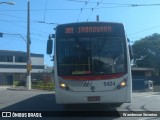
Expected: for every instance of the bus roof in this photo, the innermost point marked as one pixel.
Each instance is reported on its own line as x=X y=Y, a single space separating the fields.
x=80 y=23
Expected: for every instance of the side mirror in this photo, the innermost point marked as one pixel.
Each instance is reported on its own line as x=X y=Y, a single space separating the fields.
x=52 y=58
x=131 y=52
x=50 y=43
x=49 y=46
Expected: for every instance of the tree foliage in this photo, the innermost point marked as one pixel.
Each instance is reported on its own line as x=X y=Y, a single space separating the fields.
x=147 y=52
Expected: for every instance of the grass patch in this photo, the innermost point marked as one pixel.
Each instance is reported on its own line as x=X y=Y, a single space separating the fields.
x=42 y=85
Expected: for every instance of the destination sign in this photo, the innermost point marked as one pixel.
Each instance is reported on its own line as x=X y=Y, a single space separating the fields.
x=88 y=29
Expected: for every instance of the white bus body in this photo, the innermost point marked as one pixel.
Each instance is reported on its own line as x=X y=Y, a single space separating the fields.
x=86 y=64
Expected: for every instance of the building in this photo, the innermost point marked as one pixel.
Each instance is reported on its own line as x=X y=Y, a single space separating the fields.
x=13 y=66
x=49 y=71
x=140 y=76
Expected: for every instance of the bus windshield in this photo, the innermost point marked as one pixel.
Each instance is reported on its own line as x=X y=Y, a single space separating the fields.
x=91 y=56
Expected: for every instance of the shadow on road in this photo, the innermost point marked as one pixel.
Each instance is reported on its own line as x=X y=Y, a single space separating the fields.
x=45 y=103
x=42 y=102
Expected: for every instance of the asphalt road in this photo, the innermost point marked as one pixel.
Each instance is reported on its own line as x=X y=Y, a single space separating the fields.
x=38 y=100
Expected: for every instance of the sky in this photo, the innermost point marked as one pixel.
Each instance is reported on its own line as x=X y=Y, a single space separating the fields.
x=141 y=18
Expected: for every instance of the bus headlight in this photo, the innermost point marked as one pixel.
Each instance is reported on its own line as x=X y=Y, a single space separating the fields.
x=64 y=86
x=122 y=84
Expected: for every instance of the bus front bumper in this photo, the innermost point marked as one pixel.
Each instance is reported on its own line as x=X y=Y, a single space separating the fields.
x=115 y=96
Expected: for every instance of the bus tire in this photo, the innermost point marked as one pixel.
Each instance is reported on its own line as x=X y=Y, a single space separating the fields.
x=117 y=104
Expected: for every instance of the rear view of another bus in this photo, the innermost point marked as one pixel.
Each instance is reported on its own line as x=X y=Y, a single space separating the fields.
x=92 y=63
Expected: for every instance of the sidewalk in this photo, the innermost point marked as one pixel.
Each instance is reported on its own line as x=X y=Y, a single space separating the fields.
x=23 y=88
x=156 y=88
x=19 y=88
x=4 y=87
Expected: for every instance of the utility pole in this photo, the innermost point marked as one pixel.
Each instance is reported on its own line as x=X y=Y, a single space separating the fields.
x=28 y=49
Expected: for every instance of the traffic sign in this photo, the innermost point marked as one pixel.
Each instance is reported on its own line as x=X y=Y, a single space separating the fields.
x=29 y=67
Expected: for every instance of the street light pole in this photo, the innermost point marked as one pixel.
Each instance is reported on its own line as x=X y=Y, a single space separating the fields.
x=28 y=43
x=1 y=35
x=28 y=49
x=10 y=3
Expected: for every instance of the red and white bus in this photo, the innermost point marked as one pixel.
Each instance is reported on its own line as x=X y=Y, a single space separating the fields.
x=91 y=63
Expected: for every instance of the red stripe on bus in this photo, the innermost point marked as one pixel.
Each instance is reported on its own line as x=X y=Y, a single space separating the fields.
x=96 y=77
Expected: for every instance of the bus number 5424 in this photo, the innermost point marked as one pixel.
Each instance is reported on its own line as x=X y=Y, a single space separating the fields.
x=110 y=83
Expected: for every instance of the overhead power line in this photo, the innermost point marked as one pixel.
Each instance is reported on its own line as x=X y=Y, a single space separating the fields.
x=81 y=1
x=153 y=27
x=78 y=9
x=131 y=5
x=36 y=10
x=45 y=11
x=116 y=5
x=34 y=21
x=24 y=20
x=82 y=10
x=98 y=3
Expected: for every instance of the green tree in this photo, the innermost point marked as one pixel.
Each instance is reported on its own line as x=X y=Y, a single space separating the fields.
x=147 y=52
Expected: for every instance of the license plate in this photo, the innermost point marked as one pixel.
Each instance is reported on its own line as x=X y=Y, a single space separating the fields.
x=94 y=98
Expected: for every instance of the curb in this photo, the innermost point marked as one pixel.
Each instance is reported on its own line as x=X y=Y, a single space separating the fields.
x=17 y=88
x=25 y=89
